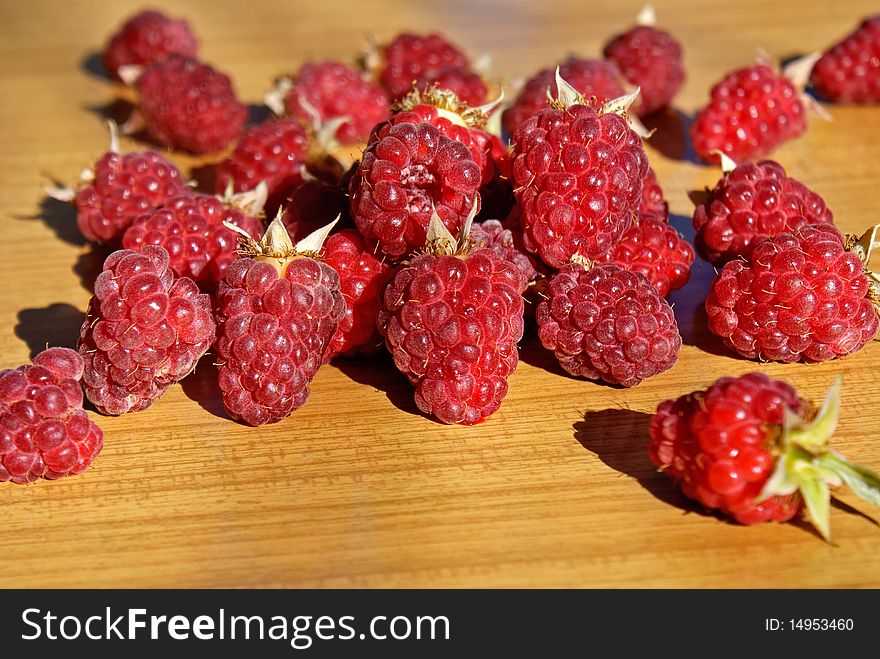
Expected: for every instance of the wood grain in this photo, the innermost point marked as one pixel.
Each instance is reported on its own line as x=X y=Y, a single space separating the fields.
x=357 y=489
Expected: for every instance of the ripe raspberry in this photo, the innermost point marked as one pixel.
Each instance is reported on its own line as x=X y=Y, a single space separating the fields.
x=591 y=77
x=750 y=203
x=362 y=279
x=413 y=58
x=850 y=71
x=606 y=323
x=276 y=314
x=578 y=176
x=274 y=152
x=44 y=431
x=189 y=105
x=653 y=202
x=651 y=59
x=452 y=319
x=147 y=37
x=751 y=112
x=144 y=330
x=407 y=171
x=467 y=85
x=190 y=228
x=313 y=205
x=657 y=251
x=799 y=296
x=751 y=448
x=323 y=91
x=507 y=245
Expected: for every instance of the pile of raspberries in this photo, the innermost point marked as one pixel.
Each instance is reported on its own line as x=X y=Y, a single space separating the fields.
x=472 y=217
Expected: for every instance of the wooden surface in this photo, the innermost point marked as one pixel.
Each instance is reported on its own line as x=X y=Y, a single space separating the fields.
x=357 y=489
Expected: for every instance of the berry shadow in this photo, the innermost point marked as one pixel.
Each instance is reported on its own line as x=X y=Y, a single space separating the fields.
x=257 y=114
x=93 y=64
x=119 y=110
x=89 y=265
x=672 y=137
x=204 y=177
x=380 y=373
x=55 y=326
x=202 y=388
x=533 y=353
x=689 y=302
x=619 y=438
x=60 y=217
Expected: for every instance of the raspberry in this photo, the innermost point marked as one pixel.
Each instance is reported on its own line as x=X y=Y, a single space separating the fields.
x=751 y=448
x=653 y=202
x=578 y=176
x=606 y=323
x=591 y=77
x=323 y=91
x=362 y=278
x=750 y=203
x=190 y=228
x=313 y=205
x=507 y=245
x=274 y=152
x=800 y=296
x=44 y=431
x=189 y=105
x=850 y=71
x=276 y=313
x=467 y=85
x=654 y=249
x=414 y=58
x=452 y=319
x=144 y=330
x=651 y=59
x=408 y=171
x=751 y=112
x=147 y=37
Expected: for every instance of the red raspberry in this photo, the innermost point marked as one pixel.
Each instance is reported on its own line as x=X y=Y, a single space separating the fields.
x=362 y=278
x=334 y=90
x=799 y=296
x=653 y=202
x=276 y=314
x=578 y=176
x=751 y=448
x=147 y=37
x=144 y=330
x=44 y=431
x=654 y=249
x=507 y=245
x=591 y=77
x=414 y=58
x=750 y=203
x=189 y=105
x=408 y=171
x=467 y=85
x=452 y=319
x=751 y=112
x=190 y=228
x=274 y=152
x=850 y=71
x=606 y=323
x=651 y=59
x=313 y=205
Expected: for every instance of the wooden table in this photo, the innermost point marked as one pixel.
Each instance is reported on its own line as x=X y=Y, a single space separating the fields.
x=357 y=489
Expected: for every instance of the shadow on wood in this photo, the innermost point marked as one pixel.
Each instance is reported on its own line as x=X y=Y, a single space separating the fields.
x=89 y=265
x=201 y=387
x=55 y=326
x=60 y=217
x=673 y=135
x=380 y=373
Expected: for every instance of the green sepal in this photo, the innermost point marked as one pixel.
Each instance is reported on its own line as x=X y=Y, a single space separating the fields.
x=864 y=483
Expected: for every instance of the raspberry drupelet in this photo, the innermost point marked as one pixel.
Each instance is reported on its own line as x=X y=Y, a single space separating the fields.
x=452 y=317
x=507 y=245
x=753 y=201
x=653 y=201
x=189 y=105
x=752 y=449
x=409 y=171
x=147 y=37
x=578 y=175
x=277 y=311
x=607 y=323
x=145 y=329
x=44 y=431
x=800 y=296
x=849 y=72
